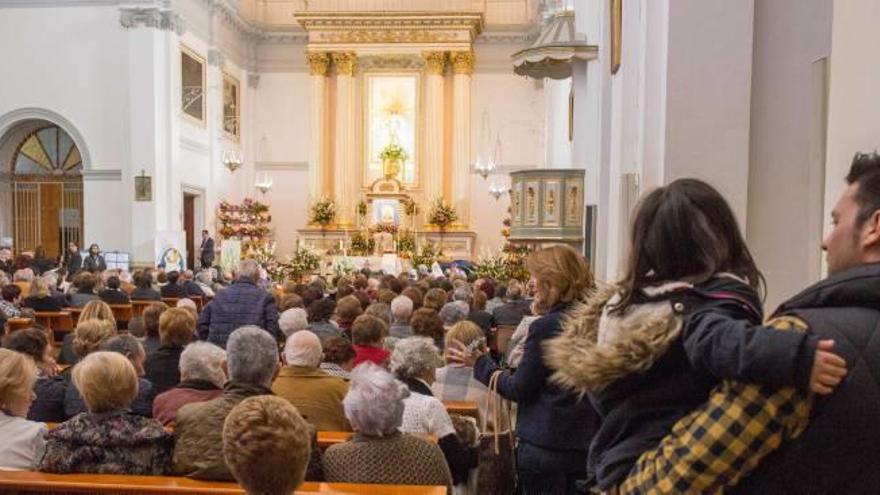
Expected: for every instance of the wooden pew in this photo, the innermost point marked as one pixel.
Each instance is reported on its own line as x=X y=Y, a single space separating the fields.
x=58 y=322
x=171 y=301
x=503 y=333
x=199 y=303
x=74 y=314
x=462 y=408
x=14 y=324
x=123 y=313
x=30 y=481
x=138 y=307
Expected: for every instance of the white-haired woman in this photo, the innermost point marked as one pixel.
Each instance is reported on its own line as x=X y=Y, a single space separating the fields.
x=379 y=452
x=201 y=379
x=23 y=442
x=293 y=320
x=414 y=362
x=316 y=394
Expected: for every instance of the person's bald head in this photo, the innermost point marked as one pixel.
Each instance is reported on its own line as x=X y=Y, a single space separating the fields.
x=303 y=348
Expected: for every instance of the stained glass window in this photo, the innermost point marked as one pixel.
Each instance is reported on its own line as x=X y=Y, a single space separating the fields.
x=48 y=151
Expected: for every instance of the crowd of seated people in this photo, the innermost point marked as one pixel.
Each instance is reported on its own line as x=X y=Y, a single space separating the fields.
x=668 y=381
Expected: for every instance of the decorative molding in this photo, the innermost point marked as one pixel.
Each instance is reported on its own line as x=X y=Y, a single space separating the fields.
x=216 y=58
x=420 y=28
x=151 y=17
x=319 y=63
x=13 y=118
x=523 y=37
x=345 y=62
x=253 y=81
x=78 y=3
x=392 y=61
x=435 y=62
x=280 y=166
x=462 y=61
x=113 y=175
x=193 y=145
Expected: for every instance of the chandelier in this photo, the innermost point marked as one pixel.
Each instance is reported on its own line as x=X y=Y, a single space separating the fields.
x=263 y=183
x=232 y=160
x=496 y=190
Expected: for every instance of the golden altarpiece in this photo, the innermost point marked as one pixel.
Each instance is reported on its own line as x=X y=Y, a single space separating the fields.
x=391 y=118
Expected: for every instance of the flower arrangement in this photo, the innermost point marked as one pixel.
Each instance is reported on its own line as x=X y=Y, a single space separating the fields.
x=303 y=260
x=442 y=215
x=362 y=208
x=406 y=243
x=361 y=244
x=264 y=254
x=410 y=207
x=393 y=152
x=491 y=265
x=322 y=212
x=343 y=267
x=248 y=221
x=427 y=256
x=384 y=227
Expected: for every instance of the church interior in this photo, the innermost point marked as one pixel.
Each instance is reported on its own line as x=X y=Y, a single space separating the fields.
x=325 y=139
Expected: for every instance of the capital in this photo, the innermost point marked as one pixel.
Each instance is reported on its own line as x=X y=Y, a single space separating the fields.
x=435 y=62
x=345 y=62
x=319 y=62
x=462 y=62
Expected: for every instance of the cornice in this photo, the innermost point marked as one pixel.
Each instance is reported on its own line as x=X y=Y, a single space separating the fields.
x=358 y=28
x=151 y=17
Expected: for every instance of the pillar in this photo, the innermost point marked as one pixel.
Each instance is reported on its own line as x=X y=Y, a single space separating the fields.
x=346 y=177
x=432 y=149
x=319 y=62
x=463 y=67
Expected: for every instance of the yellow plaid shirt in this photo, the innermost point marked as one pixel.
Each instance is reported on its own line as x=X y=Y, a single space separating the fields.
x=715 y=446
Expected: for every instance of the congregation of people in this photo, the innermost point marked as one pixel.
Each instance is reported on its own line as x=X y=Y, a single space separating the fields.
x=671 y=380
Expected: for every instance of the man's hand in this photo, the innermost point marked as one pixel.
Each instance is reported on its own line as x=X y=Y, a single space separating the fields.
x=828 y=369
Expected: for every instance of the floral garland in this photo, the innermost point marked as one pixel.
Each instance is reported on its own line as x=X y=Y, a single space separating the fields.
x=248 y=221
x=384 y=227
x=362 y=208
x=442 y=215
x=406 y=243
x=322 y=212
x=410 y=207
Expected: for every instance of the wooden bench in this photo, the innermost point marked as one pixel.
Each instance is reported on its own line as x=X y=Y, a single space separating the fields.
x=58 y=322
x=74 y=314
x=122 y=313
x=138 y=307
x=462 y=408
x=14 y=324
x=171 y=301
x=30 y=481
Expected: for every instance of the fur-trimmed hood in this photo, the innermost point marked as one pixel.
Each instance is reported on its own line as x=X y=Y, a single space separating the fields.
x=630 y=343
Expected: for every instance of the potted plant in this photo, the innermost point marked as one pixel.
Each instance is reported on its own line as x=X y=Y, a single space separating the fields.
x=392 y=157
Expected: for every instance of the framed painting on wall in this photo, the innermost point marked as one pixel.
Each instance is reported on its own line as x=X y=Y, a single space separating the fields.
x=231 y=106
x=192 y=78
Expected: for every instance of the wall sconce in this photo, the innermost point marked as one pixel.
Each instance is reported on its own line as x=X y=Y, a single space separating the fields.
x=232 y=160
x=263 y=183
x=496 y=190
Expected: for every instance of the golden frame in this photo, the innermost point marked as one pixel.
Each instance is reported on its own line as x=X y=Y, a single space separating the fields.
x=232 y=80
x=419 y=124
x=189 y=52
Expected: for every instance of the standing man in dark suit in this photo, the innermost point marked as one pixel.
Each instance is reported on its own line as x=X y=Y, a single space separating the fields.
x=73 y=261
x=207 y=250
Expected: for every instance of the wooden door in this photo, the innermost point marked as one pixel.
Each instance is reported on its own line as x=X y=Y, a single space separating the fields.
x=189 y=210
x=50 y=218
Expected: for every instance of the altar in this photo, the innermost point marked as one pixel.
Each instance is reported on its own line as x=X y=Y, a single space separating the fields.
x=388 y=263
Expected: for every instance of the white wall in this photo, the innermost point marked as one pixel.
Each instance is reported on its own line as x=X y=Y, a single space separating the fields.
x=854 y=102
x=786 y=176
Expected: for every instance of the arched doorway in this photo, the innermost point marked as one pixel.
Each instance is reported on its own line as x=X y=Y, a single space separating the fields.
x=45 y=187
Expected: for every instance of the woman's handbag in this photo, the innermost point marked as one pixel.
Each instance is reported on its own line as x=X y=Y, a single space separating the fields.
x=497 y=471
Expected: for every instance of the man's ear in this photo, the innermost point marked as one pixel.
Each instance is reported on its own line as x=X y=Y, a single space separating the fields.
x=871 y=231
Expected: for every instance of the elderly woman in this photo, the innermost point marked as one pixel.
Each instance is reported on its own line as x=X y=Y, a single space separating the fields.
x=201 y=379
x=292 y=321
x=453 y=312
x=554 y=426
x=23 y=440
x=176 y=327
x=379 y=452
x=131 y=348
x=380 y=310
x=339 y=357
x=49 y=388
x=414 y=362
x=87 y=337
x=40 y=297
x=435 y=299
x=316 y=394
x=367 y=334
x=107 y=439
x=455 y=381
x=401 y=311
x=205 y=281
x=94 y=310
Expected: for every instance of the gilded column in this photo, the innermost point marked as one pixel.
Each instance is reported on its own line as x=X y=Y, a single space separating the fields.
x=319 y=63
x=346 y=179
x=463 y=67
x=432 y=149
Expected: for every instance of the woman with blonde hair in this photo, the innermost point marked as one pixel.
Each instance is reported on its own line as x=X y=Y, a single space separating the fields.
x=40 y=297
x=94 y=310
x=554 y=425
x=455 y=381
x=23 y=442
x=87 y=338
x=108 y=439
